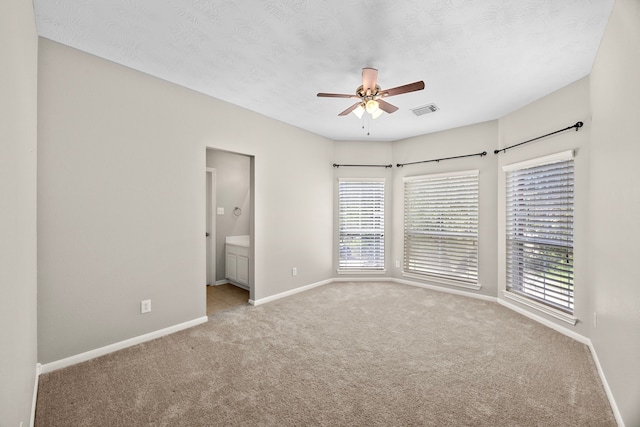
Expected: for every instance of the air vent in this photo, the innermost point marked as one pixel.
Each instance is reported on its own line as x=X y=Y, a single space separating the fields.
x=425 y=109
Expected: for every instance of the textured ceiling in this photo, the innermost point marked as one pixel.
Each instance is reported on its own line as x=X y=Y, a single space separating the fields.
x=478 y=59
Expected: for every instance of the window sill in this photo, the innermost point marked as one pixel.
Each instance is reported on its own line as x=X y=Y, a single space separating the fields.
x=360 y=272
x=441 y=281
x=558 y=314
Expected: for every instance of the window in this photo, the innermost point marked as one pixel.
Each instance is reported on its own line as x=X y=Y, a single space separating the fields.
x=441 y=227
x=539 y=230
x=361 y=218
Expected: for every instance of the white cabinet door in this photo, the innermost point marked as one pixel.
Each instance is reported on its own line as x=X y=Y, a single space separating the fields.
x=231 y=266
x=242 y=271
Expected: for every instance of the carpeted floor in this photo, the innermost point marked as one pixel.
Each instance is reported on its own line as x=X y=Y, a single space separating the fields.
x=345 y=354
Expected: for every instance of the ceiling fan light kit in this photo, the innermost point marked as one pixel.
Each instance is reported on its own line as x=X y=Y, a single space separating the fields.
x=370 y=95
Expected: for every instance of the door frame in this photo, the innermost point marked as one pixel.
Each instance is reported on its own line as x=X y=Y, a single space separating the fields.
x=210 y=175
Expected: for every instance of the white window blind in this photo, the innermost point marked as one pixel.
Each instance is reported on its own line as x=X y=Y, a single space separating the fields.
x=539 y=233
x=441 y=226
x=361 y=223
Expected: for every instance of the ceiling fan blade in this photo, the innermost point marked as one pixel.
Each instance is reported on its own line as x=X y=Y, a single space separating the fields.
x=411 y=87
x=369 y=79
x=350 y=109
x=335 y=95
x=386 y=107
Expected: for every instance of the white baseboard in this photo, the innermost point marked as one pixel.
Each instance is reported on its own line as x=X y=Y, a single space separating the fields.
x=564 y=331
x=607 y=389
x=35 y=395
x=221 y=282
x=443 y=289
x=289 y=293
x=91 y=354
x=362 y=279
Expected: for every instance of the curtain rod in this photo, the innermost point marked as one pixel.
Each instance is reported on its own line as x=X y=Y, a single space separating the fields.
x=577 y=126
x=364 y=166
x=484 y=153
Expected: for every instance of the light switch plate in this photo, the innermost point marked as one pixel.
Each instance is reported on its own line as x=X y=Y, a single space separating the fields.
x=220 y=211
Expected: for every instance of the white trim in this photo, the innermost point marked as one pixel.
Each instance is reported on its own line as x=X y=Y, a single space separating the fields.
x=475 y=172
x=238 y=284
x=546 y=322
x=361 y=179
x=560 y=315
x=289 y=293
x=221 y=282
x=211 y=261
x=35 y=395
x=447 y=290
x=551 y=158
x=605 y=384
x=91 y=354
x=443 y=281
x=361 y=272
x=362 y=279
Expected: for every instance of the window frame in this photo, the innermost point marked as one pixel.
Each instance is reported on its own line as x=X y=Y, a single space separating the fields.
x=377 y=232
x=509 y=292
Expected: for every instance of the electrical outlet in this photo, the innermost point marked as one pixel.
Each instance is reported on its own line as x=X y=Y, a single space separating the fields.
x=397 y=264
x=145 y=306
x=595 y=320
x=294 y=271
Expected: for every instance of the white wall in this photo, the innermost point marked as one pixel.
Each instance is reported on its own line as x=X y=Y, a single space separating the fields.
x=556 y=111
x=233 y=174
x=615 y=206
x=18 y=274
x=455 y=142
x=121 y=193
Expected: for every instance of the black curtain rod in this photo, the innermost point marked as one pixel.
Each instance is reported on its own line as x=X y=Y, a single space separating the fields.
x=484 y=153
x=364 y=166
x=577 y=126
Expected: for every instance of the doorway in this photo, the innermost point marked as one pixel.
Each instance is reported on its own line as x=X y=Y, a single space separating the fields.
x=229 y=227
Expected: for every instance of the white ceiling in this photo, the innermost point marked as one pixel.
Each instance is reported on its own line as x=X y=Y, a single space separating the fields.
x=479 y=59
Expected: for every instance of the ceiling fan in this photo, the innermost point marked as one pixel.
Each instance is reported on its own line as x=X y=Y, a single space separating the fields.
x=370 y=95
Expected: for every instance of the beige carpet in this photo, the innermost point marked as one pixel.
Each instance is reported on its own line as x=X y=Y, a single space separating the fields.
x=345 y=354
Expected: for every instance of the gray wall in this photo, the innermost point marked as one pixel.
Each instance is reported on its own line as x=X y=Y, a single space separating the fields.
x=121 y=210
x=615 y=206
x=233 y=188
x=18 y=274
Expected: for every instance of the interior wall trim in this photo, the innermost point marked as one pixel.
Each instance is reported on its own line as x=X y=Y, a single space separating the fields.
x=607 y=389
x=289 y=293
x=35 y=395
x=91 y=354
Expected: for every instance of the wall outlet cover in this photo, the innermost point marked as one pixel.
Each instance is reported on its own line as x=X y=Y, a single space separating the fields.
x=145 y=306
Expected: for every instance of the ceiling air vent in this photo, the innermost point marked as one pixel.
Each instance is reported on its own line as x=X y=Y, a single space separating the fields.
x=425 y=109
